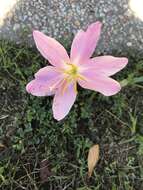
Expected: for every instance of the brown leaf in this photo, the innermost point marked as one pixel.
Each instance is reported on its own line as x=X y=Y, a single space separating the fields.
x=2 y=145
x=93 y=157
x=45 y=170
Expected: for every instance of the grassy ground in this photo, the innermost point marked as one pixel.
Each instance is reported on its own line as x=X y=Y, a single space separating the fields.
x=36 y=152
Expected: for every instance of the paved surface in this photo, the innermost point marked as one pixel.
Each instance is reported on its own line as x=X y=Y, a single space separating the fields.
x=62 y=18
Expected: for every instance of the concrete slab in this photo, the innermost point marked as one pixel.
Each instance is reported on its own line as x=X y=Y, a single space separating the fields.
x=62 y=18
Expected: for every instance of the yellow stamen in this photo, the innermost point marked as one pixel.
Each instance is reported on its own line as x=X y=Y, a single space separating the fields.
x=81 y=77
x=75 y=87
x=64 y=85
x=71 y=76
x=72 y=70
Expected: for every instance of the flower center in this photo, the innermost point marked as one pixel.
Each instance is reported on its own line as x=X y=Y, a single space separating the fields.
x=72 y=74
x=72 y=71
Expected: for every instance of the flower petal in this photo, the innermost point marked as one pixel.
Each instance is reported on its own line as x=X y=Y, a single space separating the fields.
x=84 y=43
x=105 y=85
x=106 y=65
x=63 y=101
x=77 y=46
x=51 y=49
x=38 y=88
x=46 y=81
x=47 y=73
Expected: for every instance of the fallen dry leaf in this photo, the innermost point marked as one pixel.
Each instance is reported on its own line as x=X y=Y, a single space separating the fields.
x=45 y=170
x=2 y=145
x=93 y=157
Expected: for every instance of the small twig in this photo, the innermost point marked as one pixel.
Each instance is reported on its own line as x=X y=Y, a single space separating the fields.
x=117 y=118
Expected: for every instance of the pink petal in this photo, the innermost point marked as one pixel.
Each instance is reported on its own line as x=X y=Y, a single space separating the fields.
x=105 y=85
x=47 y=73
x=51 y=49
x=63 y=101
x=38 y=88
x=106 y=65
x=84 y=43
x=77 y=46
x=46 y=81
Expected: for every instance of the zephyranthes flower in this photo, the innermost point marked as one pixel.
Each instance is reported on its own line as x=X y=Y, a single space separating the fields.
x=62 y=77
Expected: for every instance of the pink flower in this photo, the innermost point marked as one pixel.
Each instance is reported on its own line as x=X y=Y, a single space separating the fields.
x=62 y=77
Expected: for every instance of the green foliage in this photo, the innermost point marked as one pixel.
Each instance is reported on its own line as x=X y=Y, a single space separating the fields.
x=30 y=134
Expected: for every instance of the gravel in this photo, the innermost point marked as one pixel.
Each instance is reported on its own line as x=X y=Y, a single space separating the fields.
x=61 y=19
